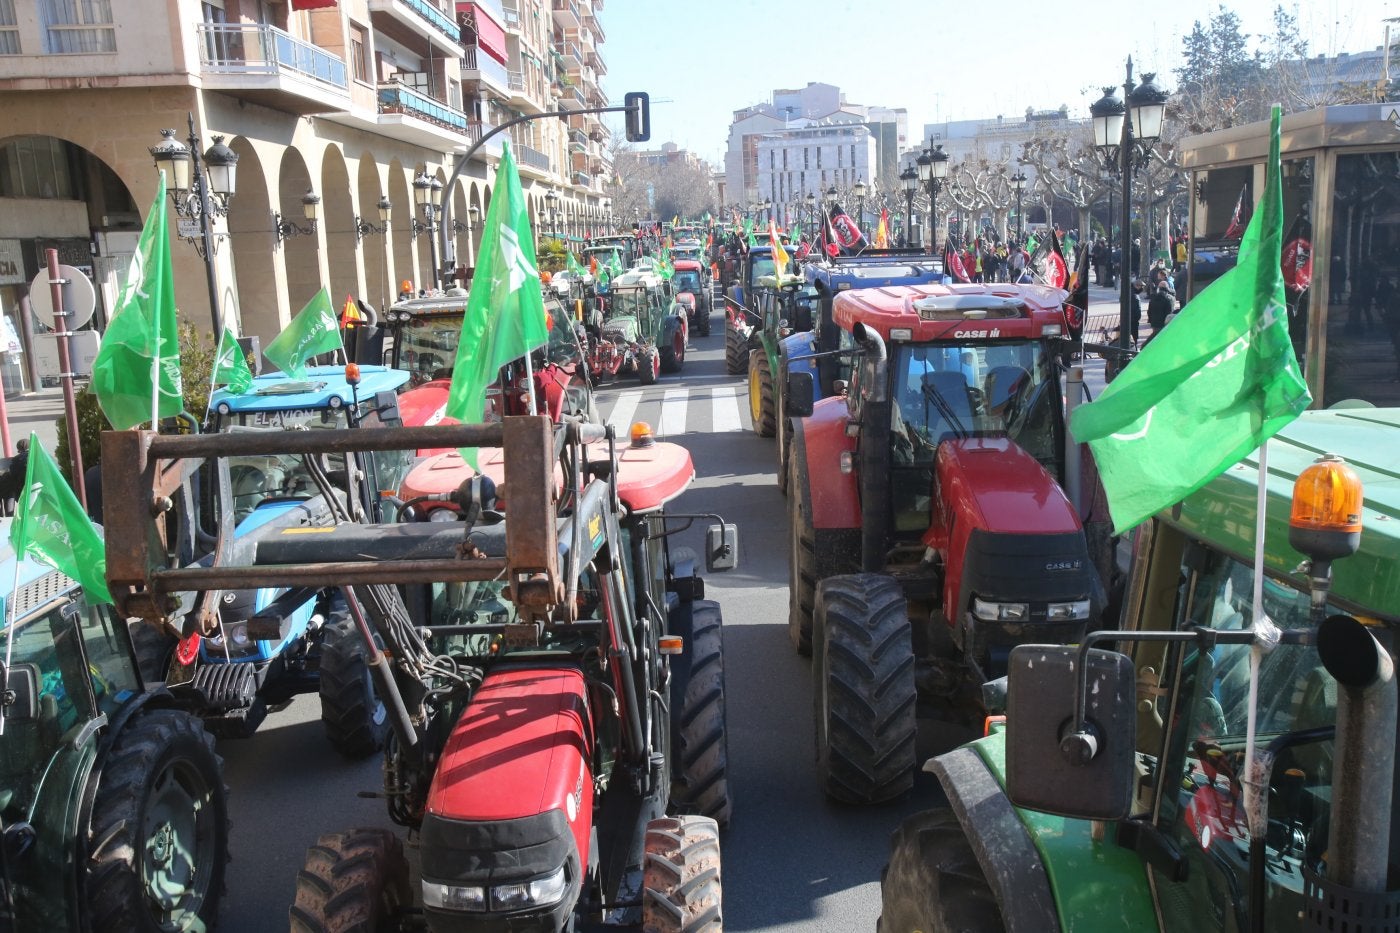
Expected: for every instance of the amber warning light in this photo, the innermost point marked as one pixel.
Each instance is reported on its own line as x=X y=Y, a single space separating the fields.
x=1325 y=522
x=641 y=435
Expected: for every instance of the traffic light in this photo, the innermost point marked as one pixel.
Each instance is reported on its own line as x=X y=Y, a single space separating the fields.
x=638 y=104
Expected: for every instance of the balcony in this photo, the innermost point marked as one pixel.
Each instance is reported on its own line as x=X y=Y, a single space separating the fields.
x=415 y=19
x=488 y=73
x=595 y=61
x=418 y=118
x=521 y=94
x=582 y=179
x=510 y=15
x=590 y=20
x=267 y=66
x=566 y=13
x=529 y=157
x=571 y=98
x=571 y=56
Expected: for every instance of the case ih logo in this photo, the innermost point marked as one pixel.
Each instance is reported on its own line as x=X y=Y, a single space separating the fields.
x=993 y=333
x=1062 y=566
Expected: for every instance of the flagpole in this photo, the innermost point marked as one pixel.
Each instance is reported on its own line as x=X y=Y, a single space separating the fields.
x=530 y=378
x=10 y=635
x=214 y=374
x=1266 y=636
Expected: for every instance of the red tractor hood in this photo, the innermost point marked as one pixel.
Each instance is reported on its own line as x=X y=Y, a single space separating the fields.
x=991 y=483
x=425 y=406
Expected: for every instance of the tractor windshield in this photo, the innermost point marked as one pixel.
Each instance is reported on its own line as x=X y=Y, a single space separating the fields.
x=972 y=390
x=428 y=346
x=687 y=281
x=633 y=301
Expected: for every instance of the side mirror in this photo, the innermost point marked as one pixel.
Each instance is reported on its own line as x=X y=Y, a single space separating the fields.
x=798 y=394
x=1049 y=767
x=386 y=403
x=721 y=547
x=20 y=701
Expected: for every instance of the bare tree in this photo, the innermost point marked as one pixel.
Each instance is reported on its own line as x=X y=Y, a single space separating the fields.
x=1067 y=169
x=975 y=185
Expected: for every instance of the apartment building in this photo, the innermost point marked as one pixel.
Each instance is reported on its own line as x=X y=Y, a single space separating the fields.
x=332 y=107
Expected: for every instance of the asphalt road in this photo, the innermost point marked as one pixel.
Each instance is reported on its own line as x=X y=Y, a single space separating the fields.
x=793 y=861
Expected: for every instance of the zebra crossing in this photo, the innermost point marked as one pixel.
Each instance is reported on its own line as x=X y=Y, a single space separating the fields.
x=674 y=410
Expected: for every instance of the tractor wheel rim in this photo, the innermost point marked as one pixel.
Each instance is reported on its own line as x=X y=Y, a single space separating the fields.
x=178 y=844
x=755 y=400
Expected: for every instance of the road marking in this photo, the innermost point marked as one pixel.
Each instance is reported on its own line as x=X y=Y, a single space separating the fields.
x=725 y=409
x=623 y=410
x=673 y=405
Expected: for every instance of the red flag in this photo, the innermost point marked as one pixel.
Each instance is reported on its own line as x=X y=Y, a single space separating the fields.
x=1297 y=257
x=953 y=264
x=846 y=233
x=1239 y=219
x=351 y=315
x=1077 y=304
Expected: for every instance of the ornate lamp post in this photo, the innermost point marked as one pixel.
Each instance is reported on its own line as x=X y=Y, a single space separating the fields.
x=909 y=183
x=1123 y=150
x=768 y=209
x=933 y=168
x=811 y=201
x=199 y=190
x=858 y=189
x=427 y=195
x=363 y=228
x=1018 y=184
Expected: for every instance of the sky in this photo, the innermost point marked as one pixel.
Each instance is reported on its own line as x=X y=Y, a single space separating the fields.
x=940 y=61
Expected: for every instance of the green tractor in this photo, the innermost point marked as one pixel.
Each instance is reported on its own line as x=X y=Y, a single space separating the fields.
x=1125 y=792
x=113 y=810
x=784 y=306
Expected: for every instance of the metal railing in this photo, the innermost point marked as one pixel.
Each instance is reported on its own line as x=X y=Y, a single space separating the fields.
x=568 y=6
x=583 y=179
x=516 y=81
x=532 y=157
x=257 y=48
x=479 y=128
x=510 y=14
x=435 y=17
x=398 y=98
x=477 y=60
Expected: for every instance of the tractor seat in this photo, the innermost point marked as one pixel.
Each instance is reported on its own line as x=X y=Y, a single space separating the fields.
x=1003 y=385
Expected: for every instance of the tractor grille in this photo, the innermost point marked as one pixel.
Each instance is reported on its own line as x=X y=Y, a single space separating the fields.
x=38 y=592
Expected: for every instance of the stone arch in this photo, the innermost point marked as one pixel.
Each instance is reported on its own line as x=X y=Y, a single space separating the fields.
x=252 y=242
x=300 y=252
x=401 y=249
x=379 y=284
x=461 y=234
x=342 y=243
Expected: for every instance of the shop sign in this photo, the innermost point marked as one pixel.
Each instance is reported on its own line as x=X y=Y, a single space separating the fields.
x=11 y=263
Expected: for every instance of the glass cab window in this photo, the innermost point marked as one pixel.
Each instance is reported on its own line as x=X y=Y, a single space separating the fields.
x=428 y=346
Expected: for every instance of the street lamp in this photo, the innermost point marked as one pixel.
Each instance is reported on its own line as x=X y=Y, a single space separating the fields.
x=933 y=168
x=427 y=195
x=1018 y=184
x=363 y=228
x=1122 y=151
x=909 y=183
x=199 y=190
x=811 y=201
x=311 y=211
x=858 y=189
x=768 y=209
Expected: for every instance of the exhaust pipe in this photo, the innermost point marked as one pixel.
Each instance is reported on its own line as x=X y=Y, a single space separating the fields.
x=874 y=453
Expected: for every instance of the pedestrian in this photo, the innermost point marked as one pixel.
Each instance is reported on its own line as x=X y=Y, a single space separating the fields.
x=1098 y=255
x=1136 y=256
x=1180 y=255
x=1159 y=308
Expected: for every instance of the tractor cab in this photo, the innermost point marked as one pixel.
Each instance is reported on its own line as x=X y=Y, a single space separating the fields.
x=424 y=334
x=646 y=330
x=624 y=244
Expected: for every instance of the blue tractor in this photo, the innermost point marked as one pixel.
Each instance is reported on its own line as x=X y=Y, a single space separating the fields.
x=824 y=350
x=270 y=645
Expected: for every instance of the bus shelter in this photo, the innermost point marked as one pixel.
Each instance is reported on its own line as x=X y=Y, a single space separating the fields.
x=1341 y=237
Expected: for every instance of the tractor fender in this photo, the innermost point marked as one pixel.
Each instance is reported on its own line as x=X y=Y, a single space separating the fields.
x=794 y=354
x=818 y=442
x=1004 y=849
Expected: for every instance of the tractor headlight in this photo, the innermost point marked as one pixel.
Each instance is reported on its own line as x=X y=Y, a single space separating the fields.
x=453 y=896
x=541 y=892
x=1067 y=612
x=443 y=514
x=1001 y=612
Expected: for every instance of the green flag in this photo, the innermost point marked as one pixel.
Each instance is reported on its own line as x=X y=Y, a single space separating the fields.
x=505 y=317
x=231 y=367
x=614 y=265
x=314 y=330
x=573 y=266
x=51 y=526
x=1213 y=386
x=137 y=368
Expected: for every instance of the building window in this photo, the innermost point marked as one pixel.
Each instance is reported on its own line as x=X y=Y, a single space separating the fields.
x=839 y=162
x=9 y=35
x=359 y=64
x=35 y=167
x=853 y=155
x=819 y=162
x=806 y=160
x=77 y=26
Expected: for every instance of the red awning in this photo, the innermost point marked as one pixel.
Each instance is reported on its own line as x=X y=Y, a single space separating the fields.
x=313 y=4
x=490 y=35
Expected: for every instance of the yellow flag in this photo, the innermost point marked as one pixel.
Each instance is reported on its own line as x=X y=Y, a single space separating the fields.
x=780 y=256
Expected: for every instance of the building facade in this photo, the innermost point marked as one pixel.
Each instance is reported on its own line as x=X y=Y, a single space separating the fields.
x=347 y=101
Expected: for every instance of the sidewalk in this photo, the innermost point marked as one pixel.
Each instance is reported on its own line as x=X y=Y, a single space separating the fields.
x=37 y=411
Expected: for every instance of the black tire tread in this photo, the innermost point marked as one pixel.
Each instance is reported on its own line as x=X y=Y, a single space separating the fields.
x=736 y=352
x=646 y=370
x=353 y=881
x=681 y=890
x=802 y=573
x=933 y=881
x=702 y=752
x=764 y=425
x=864 y=688
x=346 y=709
x=116 y=897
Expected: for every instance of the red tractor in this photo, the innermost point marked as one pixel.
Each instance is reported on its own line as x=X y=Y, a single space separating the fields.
x=930 y=533
x=550 y=667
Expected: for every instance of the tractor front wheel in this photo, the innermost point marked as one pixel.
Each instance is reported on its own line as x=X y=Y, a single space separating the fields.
x=802 y=566
x=863 y=688
x=648 y=366
x=933 y=881
x=702 y=323
x=157 y=841
x=673 y=356
x=356 y=720
x=352 y=881
x=760 y=393
x=702 y=750
x=736 y=351
x=681 y=878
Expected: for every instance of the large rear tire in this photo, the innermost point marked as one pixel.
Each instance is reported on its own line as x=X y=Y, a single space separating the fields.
x=681 y=879
x=352 y=881
x=802 y=564
x=760 y=393
x=933 y=882
x=356 y=720
x=673 y=356
x=702 y=753
x=648 y=366
x=863 y=688
x=157 y=840
x=736 y=351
